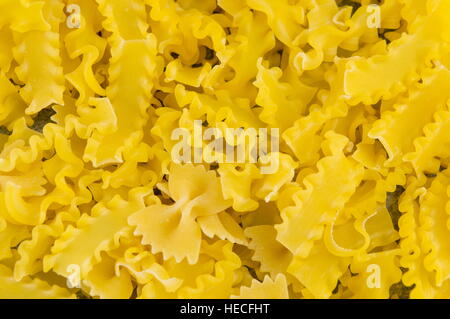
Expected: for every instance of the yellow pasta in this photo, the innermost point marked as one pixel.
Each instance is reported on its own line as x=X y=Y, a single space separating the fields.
x=224 y=149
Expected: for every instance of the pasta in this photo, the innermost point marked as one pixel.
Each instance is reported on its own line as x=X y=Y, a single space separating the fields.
x=253 y=149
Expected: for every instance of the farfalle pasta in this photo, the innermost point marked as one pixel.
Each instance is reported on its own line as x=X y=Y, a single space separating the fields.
x=253 y=149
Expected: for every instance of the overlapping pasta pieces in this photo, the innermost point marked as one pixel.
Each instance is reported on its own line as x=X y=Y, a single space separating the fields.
x=224 y=149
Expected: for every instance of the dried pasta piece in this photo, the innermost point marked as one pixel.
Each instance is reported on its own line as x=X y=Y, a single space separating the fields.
x=84 y=42
x=285 y=18
x=6 y=44
x=320 y=271
x=130 y=80
x=413 y=9
x=223 y=226
x=304 y=137
x=12 y=106
x=337 y=179
x=266 y=214
x=252 y=40
x=343 y=29
x=32 y=251
x=98 y=115
x=39 y=203
x=381 y=229
x=23 y=16
x=10 y=236
x=29 y=288
x=212 y=277
x=218 y=108
x=269 y=185
x=194 y=77
x=219 y=284
x=411 y=116
x=277 y=99
x=432 y=147
x=91 y=231
x=37 y=53
x=125 y=19
x=375 y=275
x=405 y=58
x=144 y=267
x=434 y=227
x=351 y=202
x=412 y=256
x=196 y=193
x=105 y=282
x=273 y=257
x=237 y=185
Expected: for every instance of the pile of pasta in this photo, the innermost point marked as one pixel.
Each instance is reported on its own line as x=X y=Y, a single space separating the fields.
x=92 y=205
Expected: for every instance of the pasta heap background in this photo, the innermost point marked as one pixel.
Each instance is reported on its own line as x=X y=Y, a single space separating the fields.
x=89 y=193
